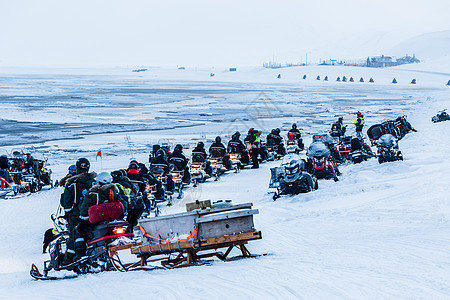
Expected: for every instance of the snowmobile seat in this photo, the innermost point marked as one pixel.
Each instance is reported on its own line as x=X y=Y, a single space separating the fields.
x=356 y=144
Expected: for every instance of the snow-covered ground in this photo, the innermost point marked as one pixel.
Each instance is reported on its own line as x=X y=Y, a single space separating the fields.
x=382 y=231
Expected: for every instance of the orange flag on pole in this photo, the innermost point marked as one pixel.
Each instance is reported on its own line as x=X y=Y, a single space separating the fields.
x=99 y=153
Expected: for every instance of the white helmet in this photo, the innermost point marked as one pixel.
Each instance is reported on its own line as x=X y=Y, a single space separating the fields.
x=103 y=178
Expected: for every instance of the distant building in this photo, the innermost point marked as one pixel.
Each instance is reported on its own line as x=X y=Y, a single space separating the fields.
x=389 y=61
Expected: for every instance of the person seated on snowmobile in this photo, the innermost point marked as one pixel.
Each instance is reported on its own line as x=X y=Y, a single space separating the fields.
x=359 y=124
x=4 y=166
x=254 y=141
x=218 y=150
x=103 y=191
x=179 y=160
x=161 y=166
x=235 y=145
x=71 y=199
x=338 y=129
x=199 y=155
x=130 y=192
x=274 y=139
x=72 y=172
x=297 y=135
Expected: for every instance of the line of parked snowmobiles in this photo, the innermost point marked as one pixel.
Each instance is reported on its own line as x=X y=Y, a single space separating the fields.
x=22 y=174
x=299 y=175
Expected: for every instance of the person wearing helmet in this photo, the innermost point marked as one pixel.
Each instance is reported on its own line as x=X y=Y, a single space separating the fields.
x=103 y=191
x=295 y=133
x=217 y=149
x=130 y=193
x=274 y=139
x=235 y=145
x=359 y=124
x=338 y=128
x=180 y=162
x=253 y=139
x=161 y=168
x=71 y=199
x=199 y=155
x=72 y=172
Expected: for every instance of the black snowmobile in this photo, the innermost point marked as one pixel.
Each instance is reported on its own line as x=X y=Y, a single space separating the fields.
x=360 y=151
x=388 y=149
x=275 y=151
x=292 y=178
x=441 y=116
x=97 y=258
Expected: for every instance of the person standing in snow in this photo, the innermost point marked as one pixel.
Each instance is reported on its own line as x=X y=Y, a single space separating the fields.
x=359 y=124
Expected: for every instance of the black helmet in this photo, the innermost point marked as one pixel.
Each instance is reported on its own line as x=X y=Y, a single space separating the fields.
x=274 y=131
x=277 y=131
x=83 y=164
x=294 y=126
x=160 y=153
x=178 y=148
x=200 y=145
x=237 y=133
x=133 y=165
x=251 y=130
x=116 y=174
x=341 y=119
x=218 y=139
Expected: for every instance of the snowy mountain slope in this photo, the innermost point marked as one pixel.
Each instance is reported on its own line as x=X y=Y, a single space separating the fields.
x=382 y=231
x=426 y=46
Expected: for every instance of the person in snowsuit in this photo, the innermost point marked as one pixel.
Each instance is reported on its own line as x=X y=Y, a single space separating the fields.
x=162 y=167
x=235 y=145
x=130 y=193
x=103 y=191
x=338 y=128
x=359 y=124
x=199 y=155
x=218 y=150
x=297 y=135
x=254 y=140
x=179 y=160
x=77 y=186
x=274 y=139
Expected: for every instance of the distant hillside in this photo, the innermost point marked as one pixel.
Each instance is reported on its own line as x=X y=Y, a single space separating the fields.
x=428 y=46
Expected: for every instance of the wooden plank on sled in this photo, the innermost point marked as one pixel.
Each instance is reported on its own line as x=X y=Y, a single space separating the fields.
x=242 y=237
x=205 y=243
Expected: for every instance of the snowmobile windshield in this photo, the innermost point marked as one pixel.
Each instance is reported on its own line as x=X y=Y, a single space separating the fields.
x=387 y=141
x=318 y=150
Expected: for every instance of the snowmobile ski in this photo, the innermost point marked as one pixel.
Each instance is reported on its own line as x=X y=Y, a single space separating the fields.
x=34 y=272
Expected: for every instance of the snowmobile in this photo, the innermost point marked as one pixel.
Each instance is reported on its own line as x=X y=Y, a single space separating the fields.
x=360 y=151
x=321 y=162
x=157 y=171
x=375 y=132
x=8 y=188
x=292 y=178
x=441 y=116
x=345 y=147
x=403 y=126
x=198 y=169
x=275 y=151
x=388 y=149
x=97 y=257
x=220 y=162
x=294 y=144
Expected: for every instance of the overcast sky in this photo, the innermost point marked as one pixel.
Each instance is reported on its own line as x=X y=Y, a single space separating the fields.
x=206 y=32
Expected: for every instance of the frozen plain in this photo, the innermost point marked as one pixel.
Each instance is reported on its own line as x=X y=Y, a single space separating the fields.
x=381 y=232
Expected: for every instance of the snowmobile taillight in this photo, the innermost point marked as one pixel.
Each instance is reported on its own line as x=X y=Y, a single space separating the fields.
x=119 y=230
x=269 y=149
